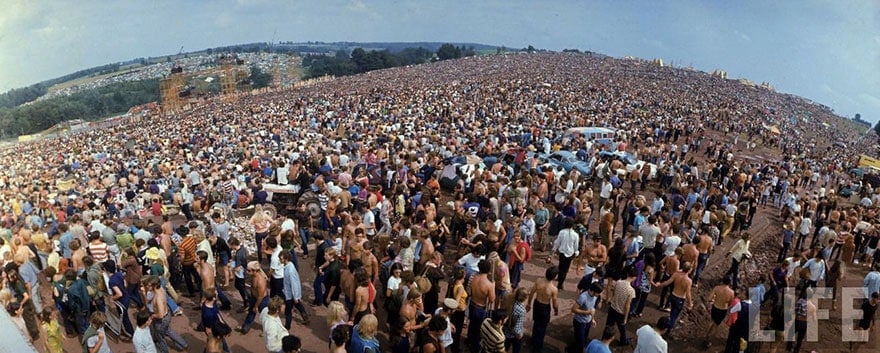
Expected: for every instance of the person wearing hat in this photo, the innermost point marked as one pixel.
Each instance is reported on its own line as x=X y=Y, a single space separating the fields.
x=445 y=311
x=259 y=297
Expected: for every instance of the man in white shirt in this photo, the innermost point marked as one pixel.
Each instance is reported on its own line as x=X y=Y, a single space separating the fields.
x=142 y=339
x=650 y=339
x=276 y=268
x=605 y=193
x=672 y=242
x=804 y=230
x=282 y=173
x=273 y=330
x=567 y=245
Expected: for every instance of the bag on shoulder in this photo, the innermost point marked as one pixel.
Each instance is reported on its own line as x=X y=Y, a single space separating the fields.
x=91 y=332
x=805 y=273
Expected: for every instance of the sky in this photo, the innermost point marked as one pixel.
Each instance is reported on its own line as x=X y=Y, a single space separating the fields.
x=827 y=51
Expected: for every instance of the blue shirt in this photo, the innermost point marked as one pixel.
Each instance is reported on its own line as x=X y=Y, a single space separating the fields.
x=872 y=283
x=585 y=301
x=787 y=235
x=292 y=285
x=65 y=243
x=596 y=346
x=118 y=280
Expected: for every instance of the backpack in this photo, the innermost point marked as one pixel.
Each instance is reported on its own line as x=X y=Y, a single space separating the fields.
x=99 y=288
x=394 y=303
x=91 y=332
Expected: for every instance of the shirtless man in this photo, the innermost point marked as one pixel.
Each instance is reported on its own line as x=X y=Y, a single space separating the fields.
x=704 y=245
x=157 y=302
x=409 y=314
x=595 y=254
x=681 y=291
x=371 y=263
x=208 y=274
x=362 y=301
x=482 y=298
x=544 y=295
x=355 y=249
x=427 y=247
x=690 y=255
x=259 y=297
x=669 y=265
x=721 y=298
x=347 y=283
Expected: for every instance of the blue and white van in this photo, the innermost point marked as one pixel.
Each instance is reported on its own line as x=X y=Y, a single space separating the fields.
x=599 y=135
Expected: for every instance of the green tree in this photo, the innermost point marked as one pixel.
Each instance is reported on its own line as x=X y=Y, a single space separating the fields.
x=448 y=51
x=259 y=78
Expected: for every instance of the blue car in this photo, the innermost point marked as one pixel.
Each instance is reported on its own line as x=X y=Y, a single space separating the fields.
x=568 y=161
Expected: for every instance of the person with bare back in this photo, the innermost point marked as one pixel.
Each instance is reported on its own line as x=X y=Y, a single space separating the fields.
x=704 y=245
x=721 y=298
x=544 y=296
x=482 y=298
x=681 y=291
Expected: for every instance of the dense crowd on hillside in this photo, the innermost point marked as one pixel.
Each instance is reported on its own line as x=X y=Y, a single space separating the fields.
x=401 y=228
x=189 y=64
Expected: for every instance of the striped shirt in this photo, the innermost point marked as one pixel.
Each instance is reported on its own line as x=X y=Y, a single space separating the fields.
x=98 y=251
x=491 y=337
x=187 y=248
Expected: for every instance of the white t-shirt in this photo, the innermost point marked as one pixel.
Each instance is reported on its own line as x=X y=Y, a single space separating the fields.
x=275 y=264
x=94 y=340
x=393 y=283
x=282 y=174
x=649 y=341
x=288 y=224
x=470 y=262
x=143 y=341
x=606 y=190
x=369 y=220
x=671 y=243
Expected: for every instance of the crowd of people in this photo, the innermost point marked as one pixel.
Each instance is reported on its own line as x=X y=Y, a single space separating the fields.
x=189 y=64
x=413 y=252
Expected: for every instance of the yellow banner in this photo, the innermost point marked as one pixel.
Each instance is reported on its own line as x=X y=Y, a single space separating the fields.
x=65 y=185
x=865 y=161
x=25 y=138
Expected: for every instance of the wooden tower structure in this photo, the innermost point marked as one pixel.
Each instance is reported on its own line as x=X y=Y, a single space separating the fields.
x=170 y=89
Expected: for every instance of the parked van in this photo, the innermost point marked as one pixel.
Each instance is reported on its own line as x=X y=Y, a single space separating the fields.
x=599 y=135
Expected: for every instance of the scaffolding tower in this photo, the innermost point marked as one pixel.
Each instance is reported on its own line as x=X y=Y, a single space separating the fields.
x=170 y=88
x=227 y=78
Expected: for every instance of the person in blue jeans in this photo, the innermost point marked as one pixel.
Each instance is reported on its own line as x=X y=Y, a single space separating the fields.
x=259 y=297
x=318 y=284
x=681 y=291
x=583 y=314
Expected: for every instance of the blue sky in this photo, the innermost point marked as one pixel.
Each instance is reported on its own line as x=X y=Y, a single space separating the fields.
x=828 y=51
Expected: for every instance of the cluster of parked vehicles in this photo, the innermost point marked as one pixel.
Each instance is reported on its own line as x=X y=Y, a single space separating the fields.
x=581 y=160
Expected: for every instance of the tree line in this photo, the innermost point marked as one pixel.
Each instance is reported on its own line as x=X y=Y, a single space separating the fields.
x=360 y=60
x=87 y=105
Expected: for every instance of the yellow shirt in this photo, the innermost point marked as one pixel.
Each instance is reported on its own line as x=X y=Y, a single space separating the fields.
x=53 y=336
